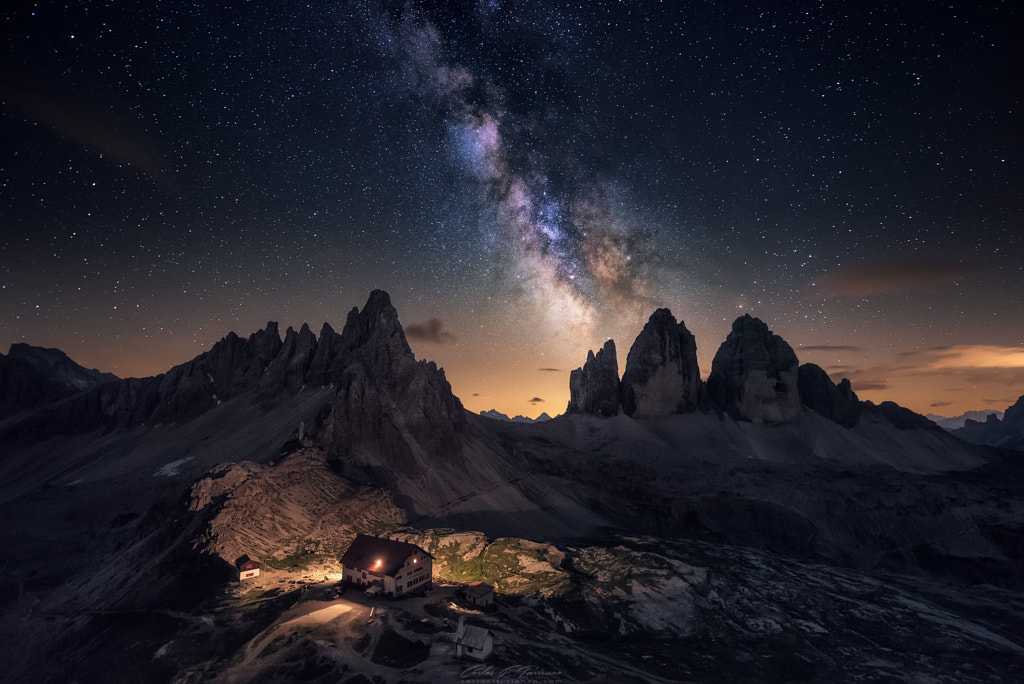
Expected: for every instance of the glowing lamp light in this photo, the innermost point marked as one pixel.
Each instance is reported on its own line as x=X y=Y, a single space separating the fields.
x=378 y=563
x=415 y=560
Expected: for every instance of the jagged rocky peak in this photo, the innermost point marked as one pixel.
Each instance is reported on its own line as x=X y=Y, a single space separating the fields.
x=292 y=364
x=388 y=405
x=661 y=376
x=232 y=366
x=325 y=364
x=377 y=330
x=838 y=403
x=754 y=375
x=594 y=388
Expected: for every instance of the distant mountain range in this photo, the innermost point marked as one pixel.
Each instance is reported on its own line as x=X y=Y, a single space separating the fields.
x=958 y=421
x=498 y=415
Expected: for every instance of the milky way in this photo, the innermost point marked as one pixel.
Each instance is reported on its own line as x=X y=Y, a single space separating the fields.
x=561 y=250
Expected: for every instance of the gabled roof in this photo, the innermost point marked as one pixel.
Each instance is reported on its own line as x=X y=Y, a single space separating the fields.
x=243 y=559
x=478 y=590
x=365 y=551
x=472 y=636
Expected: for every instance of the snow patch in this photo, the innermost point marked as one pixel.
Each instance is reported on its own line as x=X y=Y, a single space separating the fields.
x=171 y=469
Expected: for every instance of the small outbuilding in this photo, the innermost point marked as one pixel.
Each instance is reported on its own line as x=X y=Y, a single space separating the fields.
x=480 y=594
x=248 y=568
x=472 y=641
x=398 y=568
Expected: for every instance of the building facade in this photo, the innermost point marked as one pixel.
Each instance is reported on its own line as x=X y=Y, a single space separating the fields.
x=398 y=568
x=248 y=568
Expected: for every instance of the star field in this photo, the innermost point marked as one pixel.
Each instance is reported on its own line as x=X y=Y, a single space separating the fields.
x=526 y=179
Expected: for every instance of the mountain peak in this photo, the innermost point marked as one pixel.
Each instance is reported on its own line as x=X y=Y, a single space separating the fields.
x=754 y=374
x=34 y=376
x=661 y=376
x=594 y=388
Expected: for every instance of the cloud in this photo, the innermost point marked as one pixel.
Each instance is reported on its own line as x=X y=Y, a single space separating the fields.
x=966 y=365
x=550 y=370
x=429 y=332
x=831 y=348
x=972 y=356
x=536 y=400
x=940 y=404
x=868 y=386
x=896 y=274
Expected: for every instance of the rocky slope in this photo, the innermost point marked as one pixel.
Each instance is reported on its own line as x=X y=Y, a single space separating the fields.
x=297 y=505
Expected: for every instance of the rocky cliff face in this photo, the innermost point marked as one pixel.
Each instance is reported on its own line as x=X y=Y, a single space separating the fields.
x=594 y=388
x=290 y=367
x=838 y=403
x=389 y=407
x=661 y=376
x=754 y=375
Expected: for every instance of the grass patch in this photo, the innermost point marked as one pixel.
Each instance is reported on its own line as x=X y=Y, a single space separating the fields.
x=300 y=560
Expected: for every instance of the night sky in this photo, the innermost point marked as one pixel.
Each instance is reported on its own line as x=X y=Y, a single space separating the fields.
x=526 y=179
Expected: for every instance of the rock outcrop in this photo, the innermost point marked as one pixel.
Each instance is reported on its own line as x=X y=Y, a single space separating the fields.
x=661 y=377
x=297 y=503
x=594 y=388
x=838 y=403
x=754 y=375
